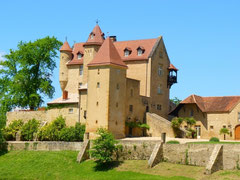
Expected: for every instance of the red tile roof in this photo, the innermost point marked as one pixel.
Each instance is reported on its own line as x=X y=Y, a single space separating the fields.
x=172 y=67
x=98 y=36
x=66 y=47
x=78 y=47
x=106 y=55
x=146 y=44
x=213 y=104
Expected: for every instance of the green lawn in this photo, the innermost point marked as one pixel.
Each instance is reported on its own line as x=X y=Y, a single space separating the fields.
x=62 y=165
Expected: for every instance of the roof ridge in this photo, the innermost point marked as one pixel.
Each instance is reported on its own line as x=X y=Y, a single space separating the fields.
x=136 y=40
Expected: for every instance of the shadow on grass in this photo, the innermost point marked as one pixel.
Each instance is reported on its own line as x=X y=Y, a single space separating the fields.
x=107 y=166
x=3 y=148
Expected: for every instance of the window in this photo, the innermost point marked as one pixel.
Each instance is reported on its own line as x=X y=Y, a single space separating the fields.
x=191 y=112
x=160 y=71
x=159 y=91
x=224 y=126
x=91 y=35
x=81 y=70
x=116 y=104
x=118 y=86
x=98 y=71
x=139 y=52
x=80 y=84
x=98 y=84
x=126 y=53
x=97 y=103
x=211 y=127
x=159 y=107
x=130 y=108
x=131 y=93
x=238 y=116
x=79 y=55
x=85 y=114
x=70 y=111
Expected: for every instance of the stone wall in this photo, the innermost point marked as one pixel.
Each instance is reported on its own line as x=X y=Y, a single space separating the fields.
x=192 y=154
x=71 y=116
x=44 y=145
x=189 y=154
x=26 y=116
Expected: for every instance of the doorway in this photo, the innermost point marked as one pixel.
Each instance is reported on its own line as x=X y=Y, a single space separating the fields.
x=237 y=132
x=198 y=131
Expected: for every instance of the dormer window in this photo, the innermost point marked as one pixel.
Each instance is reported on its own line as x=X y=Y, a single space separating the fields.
x=92 y=35
x=127 y=51
x=79 y=55
x=140 y=50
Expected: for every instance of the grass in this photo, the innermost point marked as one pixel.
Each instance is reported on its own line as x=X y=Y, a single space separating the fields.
x=63 y=165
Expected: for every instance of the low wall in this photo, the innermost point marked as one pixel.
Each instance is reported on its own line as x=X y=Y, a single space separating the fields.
x=44 y=145
x=189 y=154
x=192 y=154
x=136 y=150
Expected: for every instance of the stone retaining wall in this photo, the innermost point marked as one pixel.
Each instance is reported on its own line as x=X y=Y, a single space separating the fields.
x=190 y=154
x=44 y=145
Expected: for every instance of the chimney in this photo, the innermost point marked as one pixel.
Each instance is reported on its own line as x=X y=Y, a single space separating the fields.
x=113 y=38
x=65 y=95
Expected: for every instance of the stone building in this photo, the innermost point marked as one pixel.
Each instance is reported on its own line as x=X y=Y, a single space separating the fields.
x=212 y=114
x=106 y=83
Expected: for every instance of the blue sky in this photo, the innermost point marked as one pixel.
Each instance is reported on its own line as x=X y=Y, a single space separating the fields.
x=202 y=37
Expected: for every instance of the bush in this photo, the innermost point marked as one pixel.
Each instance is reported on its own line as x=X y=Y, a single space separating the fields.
x=51 y=132
x=29 y=129
x=67 y=134
x=3 y=145
x=103 y=147
x=79 y=131
x=214 y=139
x=11 y=131
x=57 y=131
x=173 y=142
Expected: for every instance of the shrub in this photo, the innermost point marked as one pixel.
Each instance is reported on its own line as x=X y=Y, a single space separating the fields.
x=67 y=134
x=3 y=145
x=103 y=147
x=57 y=131
x=173 y=142
x=214 y=139
x=11 y=131
x=29 y=129
x=79 y=131
x=51 y=132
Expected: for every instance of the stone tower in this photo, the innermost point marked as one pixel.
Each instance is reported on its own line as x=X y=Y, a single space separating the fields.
x=106 y=91
x=65 y=57
x=91 y=47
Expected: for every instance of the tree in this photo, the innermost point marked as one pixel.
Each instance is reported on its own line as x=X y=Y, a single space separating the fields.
x=26 y=73
x=175 y=100
x=224 y=131
x=103 y=147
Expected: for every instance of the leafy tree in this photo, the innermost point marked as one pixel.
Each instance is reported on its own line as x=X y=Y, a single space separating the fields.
x=104 y=147
x=26 y=73
x=29 y=129
x=190 y=122
x=175 y=100
x=224 y=131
